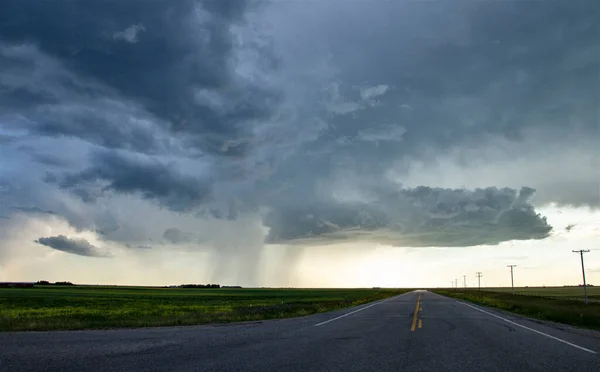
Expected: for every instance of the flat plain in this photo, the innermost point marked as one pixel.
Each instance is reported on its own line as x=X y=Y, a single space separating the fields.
x=51 y=307
x=557 y=304
x=558 y=292
x=381 y=336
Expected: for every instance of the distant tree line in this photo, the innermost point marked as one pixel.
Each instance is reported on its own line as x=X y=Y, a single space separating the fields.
x=199 y=286
x=45 y=282
x=203 y=286
x=579 y=285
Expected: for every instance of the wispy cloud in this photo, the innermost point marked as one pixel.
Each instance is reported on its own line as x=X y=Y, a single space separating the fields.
x=130 y=34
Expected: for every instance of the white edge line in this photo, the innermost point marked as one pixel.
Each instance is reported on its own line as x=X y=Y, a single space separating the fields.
x=361 y=309
x=529 y=329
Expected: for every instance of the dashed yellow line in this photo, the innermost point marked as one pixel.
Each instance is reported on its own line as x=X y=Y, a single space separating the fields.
x=415 y=315
x=420 y=323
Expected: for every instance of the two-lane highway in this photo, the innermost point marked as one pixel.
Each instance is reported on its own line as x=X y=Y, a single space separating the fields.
x=417 y=331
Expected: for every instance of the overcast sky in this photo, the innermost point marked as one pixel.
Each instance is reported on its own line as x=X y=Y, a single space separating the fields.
x=305 y=143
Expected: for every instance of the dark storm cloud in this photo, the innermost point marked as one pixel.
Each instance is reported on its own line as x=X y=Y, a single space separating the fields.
x=43 y=158
x=42 y=96
x=173 y=58
x=468 y=70
x=128 y=174
x=101 y=123
x=50 y=160
x=6 y=140
x=32 y=210
x=306 y=122
x=422 y=216
x=176 y=236
x=79 y=247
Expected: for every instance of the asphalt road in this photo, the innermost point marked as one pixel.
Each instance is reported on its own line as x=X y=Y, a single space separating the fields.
x=390 y=335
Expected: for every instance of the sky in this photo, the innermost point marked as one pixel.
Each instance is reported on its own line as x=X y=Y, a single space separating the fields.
x=335 y=143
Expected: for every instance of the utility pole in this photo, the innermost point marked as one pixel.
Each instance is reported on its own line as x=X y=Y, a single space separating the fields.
x=581 y=252
x=512 y=281
x=456 y=283
x=465 y=281
x=479 y=275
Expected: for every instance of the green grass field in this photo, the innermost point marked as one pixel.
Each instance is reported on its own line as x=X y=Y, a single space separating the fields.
x=558 y=304
x=558 y=292
x=96 y=307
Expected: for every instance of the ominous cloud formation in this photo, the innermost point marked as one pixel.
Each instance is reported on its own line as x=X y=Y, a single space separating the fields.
x=177 y=63
x=176 y=236
x=150 y=178
x=403 y=123
x=421 y=217
x=80 y=247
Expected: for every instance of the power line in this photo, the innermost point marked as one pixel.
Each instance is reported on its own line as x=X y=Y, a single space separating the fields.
x=479 y=275
x=512 y=281
x=581 y=252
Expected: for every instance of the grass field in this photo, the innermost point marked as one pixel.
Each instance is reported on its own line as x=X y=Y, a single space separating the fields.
x=92 y=307
x=554 y=304
x=557 y=292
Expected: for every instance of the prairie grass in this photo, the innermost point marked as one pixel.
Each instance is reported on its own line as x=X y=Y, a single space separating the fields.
x=567 y=311
x=574 y=293
x=94 y=307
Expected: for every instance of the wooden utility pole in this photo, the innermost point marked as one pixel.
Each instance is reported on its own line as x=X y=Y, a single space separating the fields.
x=479 y=275
x=512 y=281
x=581 y=252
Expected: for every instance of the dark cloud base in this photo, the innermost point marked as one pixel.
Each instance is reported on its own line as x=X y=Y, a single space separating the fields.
x=422 y=216
x=79 y=247
x=175 y=236
x=148 y=177
x=442 y=237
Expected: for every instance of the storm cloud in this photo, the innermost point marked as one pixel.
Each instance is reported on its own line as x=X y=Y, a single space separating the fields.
x=177 y=63
x=404 y=123
x=148 y=177
x=32 y=210
x=419 y=217
x=176 y=236
x=76 y=246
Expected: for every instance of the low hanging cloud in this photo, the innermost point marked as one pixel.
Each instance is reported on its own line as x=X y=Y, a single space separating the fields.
x=176 y=236
x=76 y=246
x=422 y=216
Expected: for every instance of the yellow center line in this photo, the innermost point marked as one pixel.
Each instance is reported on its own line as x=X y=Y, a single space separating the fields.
x=420 y=323
x=416 y=313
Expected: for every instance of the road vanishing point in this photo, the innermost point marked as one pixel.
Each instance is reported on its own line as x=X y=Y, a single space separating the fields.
x=416 y=331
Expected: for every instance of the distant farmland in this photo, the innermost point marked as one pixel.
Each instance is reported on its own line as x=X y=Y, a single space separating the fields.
x=52 y=307
x=553 y=292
